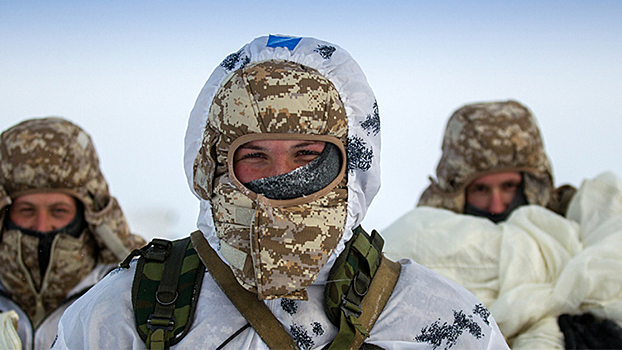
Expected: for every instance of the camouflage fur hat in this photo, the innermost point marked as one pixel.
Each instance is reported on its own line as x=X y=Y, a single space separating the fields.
x=484 y=138
x=55 y=155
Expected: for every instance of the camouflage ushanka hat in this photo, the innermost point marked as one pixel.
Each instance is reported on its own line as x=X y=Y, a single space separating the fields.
x=55 y=155
x=484 y=138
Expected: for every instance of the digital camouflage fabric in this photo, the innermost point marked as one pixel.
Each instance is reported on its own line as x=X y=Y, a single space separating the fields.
x=54 y=155
x=72 y=259
x=276 y=100
x=484 y=138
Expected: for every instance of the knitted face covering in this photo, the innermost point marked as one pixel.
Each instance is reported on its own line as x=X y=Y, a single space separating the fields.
x=74 y=229
x=302 y=181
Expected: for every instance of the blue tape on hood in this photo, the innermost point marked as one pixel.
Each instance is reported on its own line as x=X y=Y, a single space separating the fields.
x=282 y=41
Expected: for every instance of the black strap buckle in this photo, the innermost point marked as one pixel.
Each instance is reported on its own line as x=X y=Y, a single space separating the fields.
x=158 y=250
x=349 y=308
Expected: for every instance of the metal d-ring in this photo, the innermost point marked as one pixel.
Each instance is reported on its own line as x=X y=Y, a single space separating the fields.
x=166 y=303
x=363 y=293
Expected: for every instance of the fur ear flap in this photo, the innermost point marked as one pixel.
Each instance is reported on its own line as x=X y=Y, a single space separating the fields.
x=111 y=231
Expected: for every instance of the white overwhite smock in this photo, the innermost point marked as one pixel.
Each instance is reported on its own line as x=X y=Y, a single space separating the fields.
x=532 y=268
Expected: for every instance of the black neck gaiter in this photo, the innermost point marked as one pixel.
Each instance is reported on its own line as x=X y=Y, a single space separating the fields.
x=519 y=199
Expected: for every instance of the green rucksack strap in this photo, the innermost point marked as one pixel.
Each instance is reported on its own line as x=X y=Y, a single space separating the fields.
x=377 y=297
x=359 y=285
x=362 y=283
x=162 y=321
x=254 y=310
x=165 y=290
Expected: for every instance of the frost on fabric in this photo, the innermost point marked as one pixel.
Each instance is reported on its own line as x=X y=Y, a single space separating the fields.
x=301 y=181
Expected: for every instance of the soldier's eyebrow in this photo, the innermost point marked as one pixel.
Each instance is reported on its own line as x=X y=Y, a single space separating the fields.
x=252 y=147
x=304 y=144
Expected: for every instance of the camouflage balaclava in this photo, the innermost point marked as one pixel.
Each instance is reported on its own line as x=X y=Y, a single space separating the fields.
x=54 y=155
x=274 y=247
x=485 y=138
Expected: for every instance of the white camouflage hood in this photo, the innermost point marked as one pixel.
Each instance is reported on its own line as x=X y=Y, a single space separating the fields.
x=363 y=139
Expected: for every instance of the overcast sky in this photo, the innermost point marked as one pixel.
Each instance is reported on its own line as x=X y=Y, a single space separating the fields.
x=129 y=72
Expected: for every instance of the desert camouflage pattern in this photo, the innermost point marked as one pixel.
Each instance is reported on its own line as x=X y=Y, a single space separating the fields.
x=484 y=138
x=54 y=155
x=71 y=261
x=275 y=248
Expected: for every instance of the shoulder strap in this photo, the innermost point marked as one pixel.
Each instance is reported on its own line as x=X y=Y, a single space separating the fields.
x=360 y=284
x=165 y=290
x=358 y=311
x=377 y=297
x=254 y=310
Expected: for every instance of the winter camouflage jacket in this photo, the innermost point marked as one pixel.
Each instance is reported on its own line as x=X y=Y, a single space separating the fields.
x=283 y=249
x=484 y=138
x=54 y=155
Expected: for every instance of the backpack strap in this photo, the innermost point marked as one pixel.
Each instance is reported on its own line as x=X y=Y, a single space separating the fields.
x=363 y=280
x=254 y=310
x=379 y=293
x=359 y=285
x=165 y=290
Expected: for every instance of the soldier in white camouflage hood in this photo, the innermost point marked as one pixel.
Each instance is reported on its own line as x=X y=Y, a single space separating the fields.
x=282 y=148
x=494 y=138
x=61 y=229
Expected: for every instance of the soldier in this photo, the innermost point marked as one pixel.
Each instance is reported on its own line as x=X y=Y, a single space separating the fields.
x=532 y=265
x=61 y=229
x=282 y=149
x=494 y=161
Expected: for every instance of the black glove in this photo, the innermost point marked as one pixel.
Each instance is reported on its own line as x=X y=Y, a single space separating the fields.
x=586 y=332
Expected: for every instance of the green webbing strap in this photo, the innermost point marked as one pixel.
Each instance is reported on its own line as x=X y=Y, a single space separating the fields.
x=374 y=279
x=162 y=321
x=377 y=297
x=254 y=310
